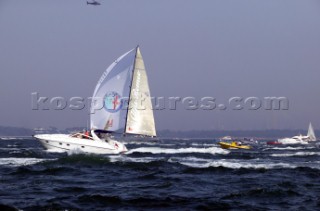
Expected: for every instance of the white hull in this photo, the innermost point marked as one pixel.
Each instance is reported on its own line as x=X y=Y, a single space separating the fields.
x=300 y=139
x=292 y=141
x=63 y=143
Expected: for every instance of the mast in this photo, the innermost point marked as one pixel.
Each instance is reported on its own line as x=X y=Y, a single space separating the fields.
x=133 y=69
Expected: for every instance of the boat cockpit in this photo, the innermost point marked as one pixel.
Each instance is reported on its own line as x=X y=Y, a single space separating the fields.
x=81 y=136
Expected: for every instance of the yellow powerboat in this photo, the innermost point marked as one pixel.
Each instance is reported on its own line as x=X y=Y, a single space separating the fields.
x=233 y=145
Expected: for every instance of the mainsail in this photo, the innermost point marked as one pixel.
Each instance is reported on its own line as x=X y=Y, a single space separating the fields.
x=140 y=118
x=124 y=82
x=312 y=136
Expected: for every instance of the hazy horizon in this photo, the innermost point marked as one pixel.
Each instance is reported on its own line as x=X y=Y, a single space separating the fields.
x=220 y=49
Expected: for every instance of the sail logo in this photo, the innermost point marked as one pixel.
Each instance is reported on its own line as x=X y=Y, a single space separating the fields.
x=112 y=102
x=135 y=92
x=109 y=124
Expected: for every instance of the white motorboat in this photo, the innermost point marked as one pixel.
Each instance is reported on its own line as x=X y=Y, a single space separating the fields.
x=116 y=108
x=78 y=141
x=294 y=140
x=300 y=139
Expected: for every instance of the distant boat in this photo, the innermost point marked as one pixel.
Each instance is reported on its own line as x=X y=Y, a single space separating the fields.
x=233 y=145
x=226 y=138
x=311 y=135
x=274 y=143
x=300 y=139
x=40 y=130
x=125 y=77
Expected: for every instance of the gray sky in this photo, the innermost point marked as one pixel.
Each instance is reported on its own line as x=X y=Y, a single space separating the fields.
x=191 y=48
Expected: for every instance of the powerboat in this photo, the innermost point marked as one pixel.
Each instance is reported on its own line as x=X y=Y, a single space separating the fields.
x=115 y=110
x=300 y=139
x=94 y=143
x=233 y=145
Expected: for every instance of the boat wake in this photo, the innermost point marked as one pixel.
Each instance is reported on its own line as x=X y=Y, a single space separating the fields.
x=56 y=150
x=75 y=151
x=145 y=143
x=159 y=150
x=203 y=145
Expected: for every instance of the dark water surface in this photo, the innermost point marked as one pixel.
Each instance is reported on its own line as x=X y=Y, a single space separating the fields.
x=166 y=175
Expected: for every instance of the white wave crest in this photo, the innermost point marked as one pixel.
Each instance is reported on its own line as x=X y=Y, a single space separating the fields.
x=296 y=154
x=8 y=138
x=147 y=143
x=203 y=145
x=75 y=151
x=158 y=150
x=120 y=158
x=16 y=138
x=236 y=164
x=15 y=162
x=196 y=162
x=189 y=159
x=9 y=149
x=55 y=150
x=288 y=148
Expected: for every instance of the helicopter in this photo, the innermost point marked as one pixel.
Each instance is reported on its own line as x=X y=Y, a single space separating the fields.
x=93 y=2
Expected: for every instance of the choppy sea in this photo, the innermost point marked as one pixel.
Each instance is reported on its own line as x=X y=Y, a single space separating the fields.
x=169 y=174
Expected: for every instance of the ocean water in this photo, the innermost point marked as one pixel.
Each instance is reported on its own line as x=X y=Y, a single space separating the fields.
x=177 y=174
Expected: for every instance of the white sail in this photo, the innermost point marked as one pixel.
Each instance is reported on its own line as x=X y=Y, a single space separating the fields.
x=311 y=134
x=108 y=109
x=140 y=118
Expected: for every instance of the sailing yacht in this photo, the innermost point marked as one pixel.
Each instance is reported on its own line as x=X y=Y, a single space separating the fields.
x=300 y=139
x=121 y=105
